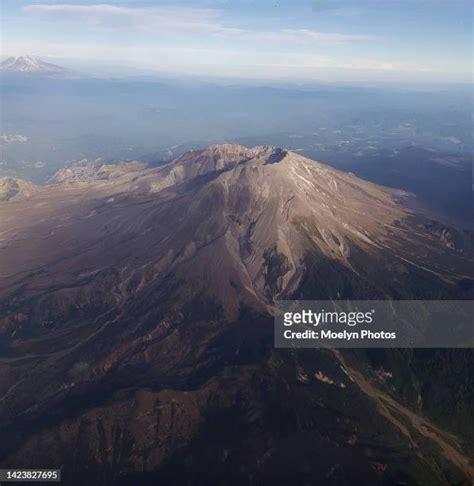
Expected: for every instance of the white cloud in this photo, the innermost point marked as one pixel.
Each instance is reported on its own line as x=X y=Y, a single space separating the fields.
x=115 y=17
x=305 y=36
x=179 y=20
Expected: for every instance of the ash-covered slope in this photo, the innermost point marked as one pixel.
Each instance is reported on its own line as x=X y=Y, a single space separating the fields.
x=244 y=206
x=135 y=325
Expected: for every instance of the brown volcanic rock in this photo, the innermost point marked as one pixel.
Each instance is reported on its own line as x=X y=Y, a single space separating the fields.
x=158 y=283
x=12 y=187
x=96 y=169
x=233 y=206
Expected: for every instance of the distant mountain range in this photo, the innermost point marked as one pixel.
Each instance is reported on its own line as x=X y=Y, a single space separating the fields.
x=136 y=342
x=31 y=65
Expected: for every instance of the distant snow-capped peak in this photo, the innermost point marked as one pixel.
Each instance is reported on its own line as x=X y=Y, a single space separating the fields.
x=30 y=65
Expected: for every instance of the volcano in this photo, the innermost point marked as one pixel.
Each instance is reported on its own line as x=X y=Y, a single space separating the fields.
x=30 y=65
x=136 y=326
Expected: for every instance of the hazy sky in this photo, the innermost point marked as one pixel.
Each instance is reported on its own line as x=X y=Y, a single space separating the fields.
x=369 y=40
